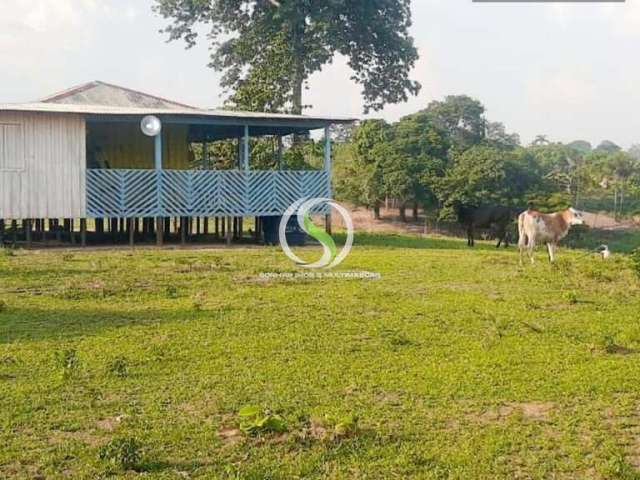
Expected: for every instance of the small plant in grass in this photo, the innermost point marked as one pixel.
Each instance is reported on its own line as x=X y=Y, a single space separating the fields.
x=68 y=362
x=3 y=306
x=254 y=421
x=8 y=252
x=171 y=291
x=67 y=257
x=121 y=452
x=571 y=298
x=118 y=367
x=333 y=428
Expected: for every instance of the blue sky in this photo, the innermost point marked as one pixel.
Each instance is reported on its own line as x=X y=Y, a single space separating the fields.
x=569 y=71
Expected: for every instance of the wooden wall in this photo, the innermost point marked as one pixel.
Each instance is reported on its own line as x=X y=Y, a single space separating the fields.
x=44 y=175
x=123 y=145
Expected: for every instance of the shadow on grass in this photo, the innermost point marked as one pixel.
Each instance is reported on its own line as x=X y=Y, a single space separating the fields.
x=30 y=324
x=391 y=240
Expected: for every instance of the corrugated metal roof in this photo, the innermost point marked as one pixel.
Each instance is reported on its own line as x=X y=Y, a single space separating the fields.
x=187 y=112
x=103 y=93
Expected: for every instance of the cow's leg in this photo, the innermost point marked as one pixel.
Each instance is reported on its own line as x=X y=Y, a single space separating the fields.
x=531 y=245
x=552 y=251
x=470 y=241
x=522 y=244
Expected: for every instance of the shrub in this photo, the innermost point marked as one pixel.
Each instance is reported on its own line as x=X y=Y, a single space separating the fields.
x=254 y=420
x=121 y=452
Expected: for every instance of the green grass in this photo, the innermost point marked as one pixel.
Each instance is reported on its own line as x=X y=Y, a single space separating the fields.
x=456 y=364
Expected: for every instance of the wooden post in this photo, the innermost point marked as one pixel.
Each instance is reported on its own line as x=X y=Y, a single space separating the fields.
x=132 y=232
x=1 y=232
x=83 y=232
x=183 y=230
x=159 y=231
x=280 y=150
x=205 y=227
x=327 y=168
x=157 y=147
x=229 y=230
x=14 y=228
x=27 y=232
x=217 y=227
x=72 y=231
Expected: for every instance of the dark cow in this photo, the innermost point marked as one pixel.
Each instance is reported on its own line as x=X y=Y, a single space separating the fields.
x=496 y=217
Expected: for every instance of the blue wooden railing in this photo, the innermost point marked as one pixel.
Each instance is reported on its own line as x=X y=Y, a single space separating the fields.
x=199 y=193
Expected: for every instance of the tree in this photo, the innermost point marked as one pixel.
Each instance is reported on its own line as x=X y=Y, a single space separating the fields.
x=607 y=146
x=267 y=50
x=540 y=140
x=581 y=146
x=486 y=175
x=362 y=180
x=417 y=156
x=462 y=117
x=496 y=135
x=634 y=151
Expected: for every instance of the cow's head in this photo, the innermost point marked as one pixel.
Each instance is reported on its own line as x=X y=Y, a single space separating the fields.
x=575 y=217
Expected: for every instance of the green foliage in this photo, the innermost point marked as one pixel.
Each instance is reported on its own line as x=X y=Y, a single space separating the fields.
x=123 y=452
x=254 y=421
x=3 y=306
x=267 y=50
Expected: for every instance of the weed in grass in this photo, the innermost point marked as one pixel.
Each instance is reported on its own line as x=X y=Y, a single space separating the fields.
x=118 y=367
x=124 y=452
x=171 y=291
x=68 y=362
x=67 y=257
x=255 y=421
x=571 y=298
x=8 y=252
x=3 y=306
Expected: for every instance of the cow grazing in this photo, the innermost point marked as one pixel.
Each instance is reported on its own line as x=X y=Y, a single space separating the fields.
x=537 y=228
x=496 y=217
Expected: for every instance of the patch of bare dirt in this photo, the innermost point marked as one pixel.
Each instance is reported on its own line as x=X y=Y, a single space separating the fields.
x=537 y=411
x=109 y=424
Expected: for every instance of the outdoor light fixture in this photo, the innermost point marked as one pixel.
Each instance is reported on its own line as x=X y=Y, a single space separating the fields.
x=151 y=125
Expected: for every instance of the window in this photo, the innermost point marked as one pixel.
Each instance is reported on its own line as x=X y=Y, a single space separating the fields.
x=11 y=147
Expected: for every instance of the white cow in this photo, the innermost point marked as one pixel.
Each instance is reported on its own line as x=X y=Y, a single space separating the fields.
x=536 y=228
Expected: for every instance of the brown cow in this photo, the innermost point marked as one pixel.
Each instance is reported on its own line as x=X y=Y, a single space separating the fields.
x=537 y=228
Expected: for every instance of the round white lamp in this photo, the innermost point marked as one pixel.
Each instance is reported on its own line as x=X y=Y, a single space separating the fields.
x=151 y=125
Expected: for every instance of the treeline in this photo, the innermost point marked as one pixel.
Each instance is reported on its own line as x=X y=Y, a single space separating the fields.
x=449 y=152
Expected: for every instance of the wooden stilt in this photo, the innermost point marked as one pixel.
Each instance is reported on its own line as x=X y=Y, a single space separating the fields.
x=72 y=231
x=83 y=232
x=1 y=232
x=205 y=227
x=217 y=227
x=327 y=223
x=183 y=230
x=27 y=232
x=229 y=230
x=132 y=232
x=223 y=227
x=159 y=231
x=14 y=232
x=240 y=227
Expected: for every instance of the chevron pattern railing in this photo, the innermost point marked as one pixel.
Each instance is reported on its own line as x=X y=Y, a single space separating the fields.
x=199 y=193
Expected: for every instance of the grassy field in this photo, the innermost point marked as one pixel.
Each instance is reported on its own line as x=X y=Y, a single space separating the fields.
x=456 y=363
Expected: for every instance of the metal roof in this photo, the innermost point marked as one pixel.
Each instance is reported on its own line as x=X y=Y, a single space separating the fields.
x=102 y=93
x=106 y=110
x=114 y=101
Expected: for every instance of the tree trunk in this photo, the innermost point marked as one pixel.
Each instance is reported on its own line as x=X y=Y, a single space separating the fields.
x=415 y=211
x=298 y=33
x=403 y=212
x=376 y=211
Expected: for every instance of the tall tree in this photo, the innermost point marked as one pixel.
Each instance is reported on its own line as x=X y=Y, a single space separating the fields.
x=267 y=49
x=462 y=117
